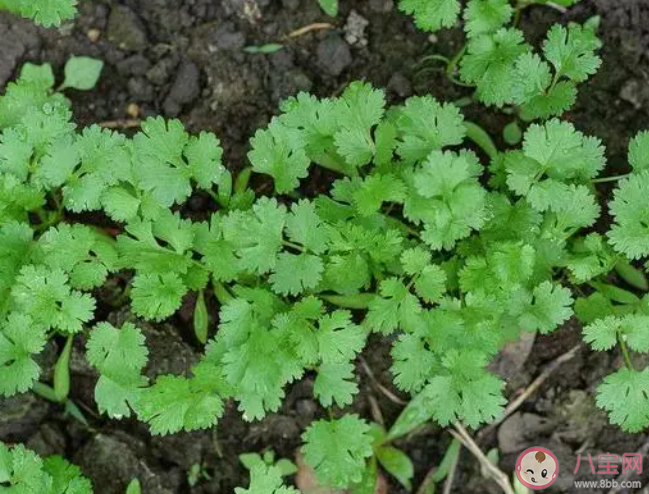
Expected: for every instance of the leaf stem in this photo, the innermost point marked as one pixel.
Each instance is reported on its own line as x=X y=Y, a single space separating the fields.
x=357 y=301
x=45 y=391
x=625 y=353
x=610 y=179
x=481 y=138
x=62 y=372
x=221 y=292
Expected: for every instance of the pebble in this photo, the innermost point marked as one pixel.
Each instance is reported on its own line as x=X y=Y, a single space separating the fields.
x=184 y=90
x=126 y=30
x=355 y=29
x=334 y=55
x=400 y=85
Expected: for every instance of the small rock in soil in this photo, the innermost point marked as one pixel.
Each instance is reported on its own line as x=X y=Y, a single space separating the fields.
x=161 y=71
x=291 y=5
x=334 y=55
x=126 y=30
x=518 y=430
x=355 y=29
x=228 y=39
x=21 y=416
x=15 y=41
x=141 y=89
x=109 y=463
x=400 y=85
x=134 y=65
x=185 y=89
x=184 y=449
x=49 y=440
x=382 y=6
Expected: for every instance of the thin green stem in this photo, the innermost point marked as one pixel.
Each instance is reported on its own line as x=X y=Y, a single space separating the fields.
x=357 y=301
x=481 y=138
x=293 y=245
x=62 y=372
x=45 y=391
x=221 y=292
x=452 y=64
x=625 y=353
x=610 y=179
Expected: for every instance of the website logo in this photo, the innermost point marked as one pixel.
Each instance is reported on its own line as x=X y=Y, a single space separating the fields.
x=537 y=468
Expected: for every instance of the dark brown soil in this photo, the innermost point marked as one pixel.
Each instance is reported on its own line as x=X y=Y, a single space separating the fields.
x=185 y=58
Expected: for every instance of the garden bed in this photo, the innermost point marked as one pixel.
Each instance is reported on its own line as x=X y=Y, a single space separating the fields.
x=188 y=59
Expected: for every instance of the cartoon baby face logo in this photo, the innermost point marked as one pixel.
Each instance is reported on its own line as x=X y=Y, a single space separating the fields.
x=537 y=468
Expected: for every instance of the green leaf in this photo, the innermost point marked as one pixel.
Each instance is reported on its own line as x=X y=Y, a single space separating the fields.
x=279 y=152
x=572 y=51
x=329 y=6
x=550 y=307
x=624 y=395
x=432 y=15
x=425 y=125
x=337 y=450
x=157 y=296
x=82 y=73
x=629 y=235
x=120 y=357
x=176 y=403
x=639 y=151
x=45 y=295
x=397 y=464
x=20 y=341
x=489 y=64
x=294 y=274
x=266 y=479
x=486 y=16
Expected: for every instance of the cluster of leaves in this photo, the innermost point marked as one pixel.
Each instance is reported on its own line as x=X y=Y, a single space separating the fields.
x=414 y=237
x=502 y=67
x=613 y=315
x=45 y=12
x=22 y=471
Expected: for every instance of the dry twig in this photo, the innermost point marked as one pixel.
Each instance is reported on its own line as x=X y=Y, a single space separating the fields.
x=318 y=26
x=490 y=469
x=121 y=124
x=388 y=394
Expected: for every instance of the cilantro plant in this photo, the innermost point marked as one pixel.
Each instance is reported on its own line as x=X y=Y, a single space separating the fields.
x=21 y=470
x=501 y=66
x=451 y=252
x=614 y=316
x=45 y=12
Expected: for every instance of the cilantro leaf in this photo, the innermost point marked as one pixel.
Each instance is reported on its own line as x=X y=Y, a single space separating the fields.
x=396 y=307
x=176 y=403
x=489 y=64
x=20 y=340
x=337 y=450
x=45 y=12
x=279 y=152
x=572 y=51
x=425 y=125
x=432 y=15
x=486 y=16
x=294 y=274
x=45 y=295
x=256 y=235
x=550 y=307
x=157 y=296
x=266 y=479
x=639 y=151
x=334 y=384
x=66 y=478
x=629 y=234
x=119 y=356
x=623 y=395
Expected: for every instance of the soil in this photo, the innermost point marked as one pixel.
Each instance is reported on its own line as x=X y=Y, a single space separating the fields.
x=186 y=59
